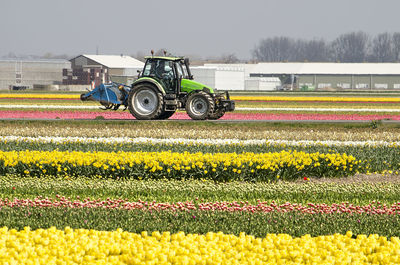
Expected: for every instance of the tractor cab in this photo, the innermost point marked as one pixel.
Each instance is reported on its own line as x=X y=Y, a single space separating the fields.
x=168 y=71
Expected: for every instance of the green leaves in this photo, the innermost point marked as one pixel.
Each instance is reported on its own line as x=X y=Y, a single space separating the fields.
x=200 y=191
x=201 y=222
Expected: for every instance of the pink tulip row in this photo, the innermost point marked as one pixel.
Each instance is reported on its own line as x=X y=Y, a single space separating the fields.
x=266 y=101
x=260 y=207
x=183 y=116
x=28 y=98
x=325 y=102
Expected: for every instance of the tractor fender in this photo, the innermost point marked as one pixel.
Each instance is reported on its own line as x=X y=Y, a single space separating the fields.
x=205 y=89
x=151 y=81
x=189 y=94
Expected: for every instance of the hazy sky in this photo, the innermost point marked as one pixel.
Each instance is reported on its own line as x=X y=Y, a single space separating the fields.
x=203 y=28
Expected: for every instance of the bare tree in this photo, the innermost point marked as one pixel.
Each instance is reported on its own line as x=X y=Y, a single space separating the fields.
x=298 y=51
x=275 y=49
x=396 y=46
x=229 y=58
x=311 y=51
x=350 y=47
x=280 y=49
x=382 y=50
x=264 y=51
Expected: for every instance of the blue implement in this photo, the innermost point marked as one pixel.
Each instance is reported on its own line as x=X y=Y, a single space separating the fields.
x=111 y=95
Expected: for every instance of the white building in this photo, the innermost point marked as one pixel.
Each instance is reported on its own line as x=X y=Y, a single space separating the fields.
x=220 y=77
x=306 y=76
x=233 y=77
x=15 y=73
x=263 y=83
x=342 y=76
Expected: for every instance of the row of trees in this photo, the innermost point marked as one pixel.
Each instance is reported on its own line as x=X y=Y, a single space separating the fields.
x=351 y=47
x=224 y=58
x=47 y=55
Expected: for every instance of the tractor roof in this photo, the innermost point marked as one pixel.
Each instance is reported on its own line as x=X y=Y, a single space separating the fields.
x=164 y=58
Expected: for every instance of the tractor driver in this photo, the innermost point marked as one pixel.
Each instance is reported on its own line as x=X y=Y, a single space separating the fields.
x=160 y=68
x=164 y=72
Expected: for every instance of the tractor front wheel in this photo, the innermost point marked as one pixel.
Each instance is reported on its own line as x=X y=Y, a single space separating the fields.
x=145 y=102
x=217 y=114
x=199 y=105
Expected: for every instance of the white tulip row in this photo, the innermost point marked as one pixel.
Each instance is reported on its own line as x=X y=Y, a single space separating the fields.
x=146 y=140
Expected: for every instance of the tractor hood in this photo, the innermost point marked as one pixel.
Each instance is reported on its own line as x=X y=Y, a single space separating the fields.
x=190 y=85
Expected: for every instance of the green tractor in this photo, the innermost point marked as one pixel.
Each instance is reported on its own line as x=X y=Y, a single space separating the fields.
x=166 y=85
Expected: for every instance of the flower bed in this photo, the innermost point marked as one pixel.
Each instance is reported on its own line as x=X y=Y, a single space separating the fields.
x=39 y=96
x=374 y=156
x=213 y=190
x=287 y=110
x=188 y=141
x=322 y=98
x=189 y=206
x=190 y=130
x=217 y=166
x=90 y=115
x=89 y=246
x=317 y=98
x=360 y=192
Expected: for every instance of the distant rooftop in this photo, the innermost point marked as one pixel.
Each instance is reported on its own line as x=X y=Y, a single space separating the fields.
x=275 y=68
x=115 y=61
x=328 y=68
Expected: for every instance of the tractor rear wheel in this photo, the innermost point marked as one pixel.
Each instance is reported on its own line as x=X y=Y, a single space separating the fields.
x=199 y=105
x=145 y=102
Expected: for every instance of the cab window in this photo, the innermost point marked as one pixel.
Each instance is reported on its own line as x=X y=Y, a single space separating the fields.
x=185 y=73
x=147 y=68
x=163 y=69
x=158 y=68
x=181 y=70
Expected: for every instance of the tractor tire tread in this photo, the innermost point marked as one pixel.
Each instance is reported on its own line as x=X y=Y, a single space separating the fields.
x=217 y=114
